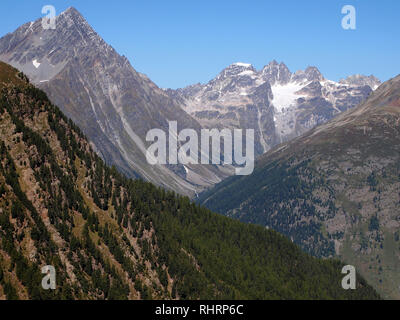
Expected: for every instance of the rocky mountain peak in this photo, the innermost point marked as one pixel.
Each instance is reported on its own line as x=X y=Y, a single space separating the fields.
x=312 y=74
x=72 y=21
x=276 y=73
x=236 y=69
x=237 y=74
x=72 y=12
x=361 y=80
x=43 y=53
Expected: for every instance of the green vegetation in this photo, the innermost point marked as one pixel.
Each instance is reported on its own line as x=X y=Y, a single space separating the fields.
x=273 y=196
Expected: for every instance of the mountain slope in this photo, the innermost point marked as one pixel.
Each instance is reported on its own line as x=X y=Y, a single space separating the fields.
x=114 y=105
x=334 y=191
x=278 y=104
x=113 y=238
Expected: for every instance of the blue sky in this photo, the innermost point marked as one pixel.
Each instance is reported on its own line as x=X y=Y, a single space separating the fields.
x=177 y=43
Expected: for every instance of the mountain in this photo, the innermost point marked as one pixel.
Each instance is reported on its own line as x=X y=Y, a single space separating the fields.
x=114 y=105
x=334 y=191
x=278 y=104
x=109 y=237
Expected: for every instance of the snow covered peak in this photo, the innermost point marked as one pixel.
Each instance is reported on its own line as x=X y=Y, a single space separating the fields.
x=242 y=64
x=235 y=70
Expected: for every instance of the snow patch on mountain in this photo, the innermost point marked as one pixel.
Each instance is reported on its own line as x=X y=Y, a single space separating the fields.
x=242 y=64
x=285 y=96
x=36 y=64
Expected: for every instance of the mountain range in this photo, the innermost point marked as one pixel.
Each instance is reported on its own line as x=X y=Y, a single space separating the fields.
x=115 y=106
x=278 y=104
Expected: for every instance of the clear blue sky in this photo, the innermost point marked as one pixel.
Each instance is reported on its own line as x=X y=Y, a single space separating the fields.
x=177 y=43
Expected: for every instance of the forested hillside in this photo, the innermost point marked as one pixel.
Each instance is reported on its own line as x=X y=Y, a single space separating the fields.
x=109 y=237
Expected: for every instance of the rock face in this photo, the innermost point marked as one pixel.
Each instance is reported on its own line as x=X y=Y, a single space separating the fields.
x=99 y=90
x=335 y=190
x=278 y=104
